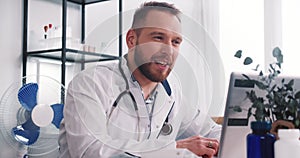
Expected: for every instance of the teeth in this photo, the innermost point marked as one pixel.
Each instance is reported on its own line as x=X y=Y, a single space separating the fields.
x=162 y=62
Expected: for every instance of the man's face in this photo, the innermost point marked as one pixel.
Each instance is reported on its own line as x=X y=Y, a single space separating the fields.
x=157 y=45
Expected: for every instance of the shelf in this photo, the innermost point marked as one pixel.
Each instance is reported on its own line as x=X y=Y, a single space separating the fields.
x=86 y=1
x=72 y=55
x=64 y=48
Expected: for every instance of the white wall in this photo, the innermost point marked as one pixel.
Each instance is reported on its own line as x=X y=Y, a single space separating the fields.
x=10 y=52
x=11 y=42
x=241 y=28
x=290 y=36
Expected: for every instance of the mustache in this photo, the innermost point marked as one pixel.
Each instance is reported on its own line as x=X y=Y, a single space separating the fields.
x=162 y=58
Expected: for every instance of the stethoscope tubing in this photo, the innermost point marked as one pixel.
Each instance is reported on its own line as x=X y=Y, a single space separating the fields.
x=127 y=91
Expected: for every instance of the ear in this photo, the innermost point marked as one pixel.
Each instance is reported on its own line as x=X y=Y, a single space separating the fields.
x=131 y=39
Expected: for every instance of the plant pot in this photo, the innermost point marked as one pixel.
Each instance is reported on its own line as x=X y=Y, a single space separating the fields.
x=281 y=124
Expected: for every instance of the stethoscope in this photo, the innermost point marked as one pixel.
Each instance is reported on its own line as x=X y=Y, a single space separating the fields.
x=166 y=128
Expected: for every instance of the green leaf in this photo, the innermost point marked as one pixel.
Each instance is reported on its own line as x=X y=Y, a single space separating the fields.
x=249 y=113
x=252 y=96
x=279 y=65
x=256 y=68
x=278 y=72
x=247 y=77
x=272 y=76
x=289 y=86
x=297 y=95
x=291 y=83
x=271 y=66
x=260 y=85
x=274 y=86
x=297 y=123
x=292 y=106
x=259 y=114
x=276 y=52
x=248 y=61
x=238 y=54
x=280 y=59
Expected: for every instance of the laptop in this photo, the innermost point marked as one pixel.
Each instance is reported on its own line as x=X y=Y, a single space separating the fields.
x=236 y=126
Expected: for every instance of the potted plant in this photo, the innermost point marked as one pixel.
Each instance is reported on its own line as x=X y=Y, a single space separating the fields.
x=281 y=103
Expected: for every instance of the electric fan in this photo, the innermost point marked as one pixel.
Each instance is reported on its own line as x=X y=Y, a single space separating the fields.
x=30 y=114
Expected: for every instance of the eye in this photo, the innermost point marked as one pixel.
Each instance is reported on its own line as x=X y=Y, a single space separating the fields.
x=158 y=38
x=176 y=42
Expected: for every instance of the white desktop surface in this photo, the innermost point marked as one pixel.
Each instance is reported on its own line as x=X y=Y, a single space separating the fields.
x=171 y=153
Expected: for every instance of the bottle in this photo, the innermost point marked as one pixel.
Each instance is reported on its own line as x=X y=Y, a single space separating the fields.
x=288 y=144
x=260 y=143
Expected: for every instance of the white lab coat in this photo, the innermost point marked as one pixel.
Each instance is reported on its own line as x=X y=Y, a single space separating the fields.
x=86 y=130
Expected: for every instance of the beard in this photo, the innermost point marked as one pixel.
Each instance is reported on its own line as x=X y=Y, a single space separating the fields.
x=153 y=76
x=147 y=67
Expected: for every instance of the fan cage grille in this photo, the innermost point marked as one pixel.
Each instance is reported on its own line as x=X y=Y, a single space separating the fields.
x=13 y=114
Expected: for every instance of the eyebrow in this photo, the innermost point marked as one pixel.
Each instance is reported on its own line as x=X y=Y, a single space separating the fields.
x=157 y=33
x=161 y=33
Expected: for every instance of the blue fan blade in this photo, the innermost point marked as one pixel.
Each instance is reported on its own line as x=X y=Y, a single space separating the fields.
x=26 y=133
x=58 y=114
x=27 y=95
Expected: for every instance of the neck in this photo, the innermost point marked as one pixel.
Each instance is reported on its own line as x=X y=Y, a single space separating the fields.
x=146 y=84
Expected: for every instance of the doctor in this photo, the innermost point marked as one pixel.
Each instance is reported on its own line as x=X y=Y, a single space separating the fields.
x=136 y=106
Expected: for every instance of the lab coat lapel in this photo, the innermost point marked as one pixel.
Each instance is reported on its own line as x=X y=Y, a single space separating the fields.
x=163 y=105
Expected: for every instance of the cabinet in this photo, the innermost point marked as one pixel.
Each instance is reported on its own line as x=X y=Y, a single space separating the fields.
x=63 y=53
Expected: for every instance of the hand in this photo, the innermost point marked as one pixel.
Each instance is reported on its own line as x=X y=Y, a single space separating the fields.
x=205 y=147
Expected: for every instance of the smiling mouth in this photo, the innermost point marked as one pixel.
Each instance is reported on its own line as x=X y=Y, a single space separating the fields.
x=162 y=62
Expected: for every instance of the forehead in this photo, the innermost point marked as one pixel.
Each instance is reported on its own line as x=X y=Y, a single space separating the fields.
x=162 y=20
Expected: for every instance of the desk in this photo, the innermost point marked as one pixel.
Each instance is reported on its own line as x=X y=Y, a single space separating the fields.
x=171 y=153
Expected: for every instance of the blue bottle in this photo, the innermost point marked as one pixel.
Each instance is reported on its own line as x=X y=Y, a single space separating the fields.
x=260 y=143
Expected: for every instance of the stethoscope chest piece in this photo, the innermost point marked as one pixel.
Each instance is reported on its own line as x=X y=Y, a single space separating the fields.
x=166 y=129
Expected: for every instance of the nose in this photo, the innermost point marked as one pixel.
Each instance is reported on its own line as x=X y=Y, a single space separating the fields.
x=167 y=48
